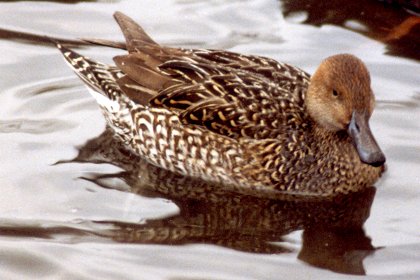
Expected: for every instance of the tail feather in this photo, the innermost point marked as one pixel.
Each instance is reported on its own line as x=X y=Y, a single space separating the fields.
x=99 y=77
x=136 y=38
x=106 y=43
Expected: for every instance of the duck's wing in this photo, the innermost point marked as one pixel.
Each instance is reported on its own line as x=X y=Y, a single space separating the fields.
x=227 y=100
x=283 y=74
x=137 y=40
x=231 y=94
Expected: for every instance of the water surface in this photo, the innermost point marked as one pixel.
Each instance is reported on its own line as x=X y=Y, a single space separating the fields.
x=75 y=205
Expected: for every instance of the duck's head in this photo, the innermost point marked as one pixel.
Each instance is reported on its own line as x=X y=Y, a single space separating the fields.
x=339 y=98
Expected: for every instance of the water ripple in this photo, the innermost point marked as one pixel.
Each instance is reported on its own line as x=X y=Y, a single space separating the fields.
x=34 y=126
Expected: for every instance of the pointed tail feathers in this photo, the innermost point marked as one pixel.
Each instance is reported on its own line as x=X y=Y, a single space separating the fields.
x=99 y=77
x=134 y=35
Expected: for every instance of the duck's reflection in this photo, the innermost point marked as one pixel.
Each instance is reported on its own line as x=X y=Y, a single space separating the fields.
x=333 y=237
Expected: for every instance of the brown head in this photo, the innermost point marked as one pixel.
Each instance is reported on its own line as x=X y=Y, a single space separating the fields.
x=339 y=98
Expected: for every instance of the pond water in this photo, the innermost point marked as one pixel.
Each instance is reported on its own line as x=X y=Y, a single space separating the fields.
x=75 y=205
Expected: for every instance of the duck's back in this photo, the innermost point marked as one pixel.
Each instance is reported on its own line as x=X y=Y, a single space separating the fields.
x=230 y=94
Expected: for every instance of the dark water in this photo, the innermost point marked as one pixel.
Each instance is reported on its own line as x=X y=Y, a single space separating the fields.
x=75 y=205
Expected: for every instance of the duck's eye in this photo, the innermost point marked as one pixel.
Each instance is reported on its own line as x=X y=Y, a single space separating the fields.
x=335 y=93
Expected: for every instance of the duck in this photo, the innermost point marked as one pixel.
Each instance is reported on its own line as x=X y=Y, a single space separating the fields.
x=244 y=121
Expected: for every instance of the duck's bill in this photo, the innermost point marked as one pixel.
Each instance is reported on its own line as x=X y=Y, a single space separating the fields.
x=366 y=146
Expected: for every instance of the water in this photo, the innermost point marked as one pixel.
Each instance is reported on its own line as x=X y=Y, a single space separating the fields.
x=76 y=205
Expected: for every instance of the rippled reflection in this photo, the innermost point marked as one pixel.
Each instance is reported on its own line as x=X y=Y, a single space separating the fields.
x=391 y=24
x=333 y=237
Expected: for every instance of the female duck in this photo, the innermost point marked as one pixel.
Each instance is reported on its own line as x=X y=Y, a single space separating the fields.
x=244 y=121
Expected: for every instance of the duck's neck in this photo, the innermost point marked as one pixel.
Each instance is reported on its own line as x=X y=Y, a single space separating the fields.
x=332 y=142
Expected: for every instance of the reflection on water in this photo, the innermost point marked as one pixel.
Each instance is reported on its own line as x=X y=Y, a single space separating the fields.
x=388 y=23
x=210 y=214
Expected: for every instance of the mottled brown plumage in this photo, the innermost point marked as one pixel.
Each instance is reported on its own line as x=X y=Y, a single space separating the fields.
x=241 y=120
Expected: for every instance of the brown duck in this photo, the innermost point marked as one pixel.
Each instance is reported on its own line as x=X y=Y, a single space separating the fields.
x=244 y=121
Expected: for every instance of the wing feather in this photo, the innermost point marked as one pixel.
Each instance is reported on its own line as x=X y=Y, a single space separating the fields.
x=231 y=94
